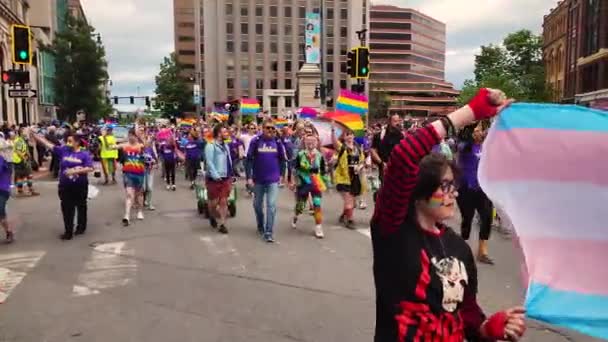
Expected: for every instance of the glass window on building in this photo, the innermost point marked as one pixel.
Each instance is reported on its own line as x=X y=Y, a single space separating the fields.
x=244 y=83
x=259 y=11
x=273 y=29
x=288 y=103
x=244 y=11
x=342 y=84
x=259 y=47
x=186 y=52
x=288 y=83
x=229 y=28
x=228 y=9
x=259 y=83
x=343 y=13
x=230 y=83
x=244 y=46
x=259 y=65
x=274 y=66
x=330 y=13
x=274 y=83
x=259 y=28
x=273 y=47
x=185 y=39
x=330 y=67
x=244 y=28
x=302 y=12
x=288 y=30
x=287 y=66
x=273 y=11
x=229 y=46
x=288 y=49
x=287 y=12
x=343 y=32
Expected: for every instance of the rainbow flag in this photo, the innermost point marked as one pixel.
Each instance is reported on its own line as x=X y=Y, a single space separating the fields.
x=308 y=113
x=249 y=106
x=186 y=123
x=545 y=166
x=351 y=103
x=351 y=121
x=219 y=116
x=280 y=123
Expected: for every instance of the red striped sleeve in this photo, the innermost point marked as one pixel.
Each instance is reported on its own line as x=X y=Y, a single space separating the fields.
x=400 y=178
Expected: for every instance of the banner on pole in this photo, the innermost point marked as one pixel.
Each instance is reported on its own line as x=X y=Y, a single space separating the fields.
x=313 y=38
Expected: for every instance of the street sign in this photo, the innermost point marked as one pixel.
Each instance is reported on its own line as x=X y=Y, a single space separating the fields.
x=22 y=93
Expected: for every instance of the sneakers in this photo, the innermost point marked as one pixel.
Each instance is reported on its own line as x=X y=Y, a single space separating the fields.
x=342 y=219
x=125 y=222
x=269 y=239
x=192 y=186
x=362 y=205
x=10 y=237
x=213 y=222
x=150 y=207
x=168 y=187
x=140 y=215
x=350 y=224
x=173 y=187
x=65 y=236
x=34 y=193
x=319 y=231
x=79 y=231
x=223 y=229
x=294 y=222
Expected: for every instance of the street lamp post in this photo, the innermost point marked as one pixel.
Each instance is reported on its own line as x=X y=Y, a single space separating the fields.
x=197 y=77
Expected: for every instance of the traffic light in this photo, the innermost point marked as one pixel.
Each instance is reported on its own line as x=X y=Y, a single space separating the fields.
x=132 y=100
x=15 y=77
x=22 y=47
x=147 y=101
x=351 y=63
x=115 y=100
x=362 y=62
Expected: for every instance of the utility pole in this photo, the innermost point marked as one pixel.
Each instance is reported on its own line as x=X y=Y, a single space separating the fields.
x=323 y=85
x=198 y=72
x=360 y=82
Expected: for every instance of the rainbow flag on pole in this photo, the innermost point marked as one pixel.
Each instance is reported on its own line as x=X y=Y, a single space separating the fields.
x=352 y=103
x=351 y=121
x=280 y=123
x=545 y=166
x=249 y=106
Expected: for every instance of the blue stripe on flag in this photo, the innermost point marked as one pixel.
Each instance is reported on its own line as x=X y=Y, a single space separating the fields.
x=553 y=116
x=350 y=109
x=585 y=313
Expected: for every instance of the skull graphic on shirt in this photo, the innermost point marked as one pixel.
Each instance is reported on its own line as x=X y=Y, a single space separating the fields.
x=453 y=275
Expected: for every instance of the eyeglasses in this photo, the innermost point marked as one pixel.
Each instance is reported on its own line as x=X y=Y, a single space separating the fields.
x=448 y=187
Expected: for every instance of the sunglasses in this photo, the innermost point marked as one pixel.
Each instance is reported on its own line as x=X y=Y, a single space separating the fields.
x=448 y=187
x=270 y=128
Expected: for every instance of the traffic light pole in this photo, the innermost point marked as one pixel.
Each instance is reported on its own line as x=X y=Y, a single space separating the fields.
x=323 y=85
x=361 y=82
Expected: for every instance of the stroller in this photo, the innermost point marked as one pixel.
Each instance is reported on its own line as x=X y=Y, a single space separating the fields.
x=202 y=198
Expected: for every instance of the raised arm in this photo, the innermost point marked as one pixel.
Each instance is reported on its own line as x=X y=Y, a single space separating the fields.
x=43 y=141
x=402 y=169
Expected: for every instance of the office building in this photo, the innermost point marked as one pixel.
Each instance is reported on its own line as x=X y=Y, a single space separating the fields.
x=408 y=61
x=253 y=48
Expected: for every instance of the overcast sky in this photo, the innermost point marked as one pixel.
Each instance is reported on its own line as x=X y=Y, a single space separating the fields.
x=139 y=33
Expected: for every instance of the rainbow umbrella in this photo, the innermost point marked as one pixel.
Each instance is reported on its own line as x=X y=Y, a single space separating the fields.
x=308 y=113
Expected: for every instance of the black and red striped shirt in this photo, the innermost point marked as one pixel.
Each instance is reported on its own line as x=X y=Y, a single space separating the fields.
x=426 y=284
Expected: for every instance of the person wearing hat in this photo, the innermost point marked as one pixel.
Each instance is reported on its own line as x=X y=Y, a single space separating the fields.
x=109 y=154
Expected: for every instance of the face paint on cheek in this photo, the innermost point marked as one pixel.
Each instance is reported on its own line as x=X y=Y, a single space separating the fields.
x=435 y=201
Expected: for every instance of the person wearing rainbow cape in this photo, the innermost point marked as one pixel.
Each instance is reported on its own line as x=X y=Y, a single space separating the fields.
x=309 y=167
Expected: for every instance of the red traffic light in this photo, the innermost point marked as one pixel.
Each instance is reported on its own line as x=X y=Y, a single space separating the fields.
x=6 y=77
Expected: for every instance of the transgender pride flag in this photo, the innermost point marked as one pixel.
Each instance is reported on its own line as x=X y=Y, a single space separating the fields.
x=547 y=167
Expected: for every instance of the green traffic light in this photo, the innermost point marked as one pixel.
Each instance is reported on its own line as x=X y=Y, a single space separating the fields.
x=23 y=55
x=364 y=71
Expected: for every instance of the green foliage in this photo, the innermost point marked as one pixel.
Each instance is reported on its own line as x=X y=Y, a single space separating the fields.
x=171 y=88
x=379 y=103
x=516 y=67
x=81 y=72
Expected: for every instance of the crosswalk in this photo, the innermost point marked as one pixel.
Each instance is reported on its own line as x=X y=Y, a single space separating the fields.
x=13 y=269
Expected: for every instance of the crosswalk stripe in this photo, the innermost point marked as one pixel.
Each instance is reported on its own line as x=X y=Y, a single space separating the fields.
x=13 y=268
x=106 y=268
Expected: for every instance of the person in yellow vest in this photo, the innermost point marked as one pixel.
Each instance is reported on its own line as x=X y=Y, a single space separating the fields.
x=108 y=154
x=22 y=164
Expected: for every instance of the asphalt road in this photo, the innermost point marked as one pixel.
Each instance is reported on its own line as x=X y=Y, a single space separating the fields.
x=172 y=278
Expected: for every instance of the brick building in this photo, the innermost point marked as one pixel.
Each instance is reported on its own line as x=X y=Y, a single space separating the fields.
x=555 y=30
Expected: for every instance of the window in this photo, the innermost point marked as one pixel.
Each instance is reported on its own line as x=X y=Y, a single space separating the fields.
x=273 y=11
x=342 y=84
x=330 y=67
x=228 y=9
x=244 y=46
x=273 y=47
x=343 y=13
x=259 y=28
x=259 y=11
x=287 y=66
x=330 y=13
x=230 y=83
x=288 y=83
x=287 y=30
x=288 y=101
x=274 y=85
x=245 y=83
x=274 y=66
x=186 y=39
x=343 y=32
x=259 y=47
x=302 y=12
x=244 y=10
x=186 y=52
x=244 y=28
x=229 y=46
x=188 y=66
x=259 y=83
x=185 y=24
x=288 y=48
x=229 y=28
x=273 y=29
x=288 y=12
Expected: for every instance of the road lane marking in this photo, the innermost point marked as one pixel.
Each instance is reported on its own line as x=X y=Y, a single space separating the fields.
x=365 y=232
x=222 y=245
x=107 y=268
x=13 y=268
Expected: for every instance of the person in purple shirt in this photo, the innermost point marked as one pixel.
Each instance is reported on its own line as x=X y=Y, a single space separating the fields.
x=6 y=172
x=150 y=160
x=193 y=149
x=74 y=165
x=471 y=197
x=265 y=166
x=168 y=152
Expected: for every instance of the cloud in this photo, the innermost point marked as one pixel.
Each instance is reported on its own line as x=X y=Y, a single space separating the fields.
x=472 y=23
x=137 y=34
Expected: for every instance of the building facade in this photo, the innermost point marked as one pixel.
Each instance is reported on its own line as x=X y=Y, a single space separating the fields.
x=253 y=47
x=408 y=61
x=585 y=60
x=555 y=30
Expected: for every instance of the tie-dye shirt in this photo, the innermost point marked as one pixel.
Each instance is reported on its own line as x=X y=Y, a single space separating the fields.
x=134 y=160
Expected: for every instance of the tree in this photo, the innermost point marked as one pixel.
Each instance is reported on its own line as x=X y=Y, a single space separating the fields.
x=171 y=88
x=516 y=67
x=81 y=72
x=379 y=103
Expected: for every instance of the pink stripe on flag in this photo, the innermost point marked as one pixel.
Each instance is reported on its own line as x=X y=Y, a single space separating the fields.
x=568 y=265
x=544 y=157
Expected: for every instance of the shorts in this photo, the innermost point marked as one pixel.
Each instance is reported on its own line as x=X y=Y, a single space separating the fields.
x=4 y=196
x=23 y=170
x=218 y=189
x=353 y=189
x=305 y=190
x=133 y=181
